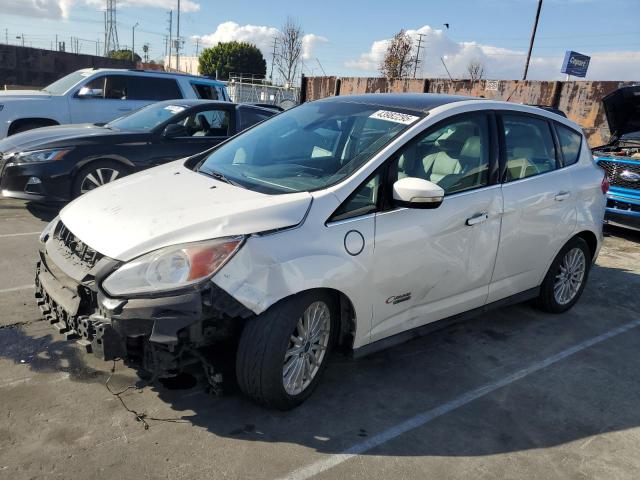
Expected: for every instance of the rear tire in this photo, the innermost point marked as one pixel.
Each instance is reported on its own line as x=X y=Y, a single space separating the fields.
x=567 y=276
x=96 y=174
x=277 y=364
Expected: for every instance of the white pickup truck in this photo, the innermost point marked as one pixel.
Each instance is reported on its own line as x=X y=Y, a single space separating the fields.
x=98 y=96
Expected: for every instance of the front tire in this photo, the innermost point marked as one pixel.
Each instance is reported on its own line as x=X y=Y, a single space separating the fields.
x=96 y=174
x=283 y=352
x=566 y=278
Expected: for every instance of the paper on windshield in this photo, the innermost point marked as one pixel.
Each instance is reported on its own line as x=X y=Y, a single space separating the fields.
x=395 y=117
x=174 y=108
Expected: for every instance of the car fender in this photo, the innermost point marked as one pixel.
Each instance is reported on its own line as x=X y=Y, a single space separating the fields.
x=51 y=108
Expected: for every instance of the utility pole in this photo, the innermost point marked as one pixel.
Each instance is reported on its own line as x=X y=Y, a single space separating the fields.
x=321 y=68
x=6 y=36
x=145 y=49
x=170 y=44
x=133 y=42
x=178 y=40
x=415 y=65
x=197 y=46
x=533 y=37
x=445 y=67
x=273 y=57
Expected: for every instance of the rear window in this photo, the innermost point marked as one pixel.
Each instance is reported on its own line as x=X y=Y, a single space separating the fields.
x=153 y=88
x=206 y=92
x=570 y=143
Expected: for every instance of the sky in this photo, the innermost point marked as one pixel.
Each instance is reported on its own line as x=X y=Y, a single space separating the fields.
x=348 y=38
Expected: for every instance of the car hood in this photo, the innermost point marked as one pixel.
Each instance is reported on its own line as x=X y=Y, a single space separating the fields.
x=171 y=204
x=42 y=137
x=622 y=108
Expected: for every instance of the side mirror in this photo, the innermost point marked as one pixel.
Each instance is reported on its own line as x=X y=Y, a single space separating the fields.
x=174 y=130
x=412 y=192
x=86 y=92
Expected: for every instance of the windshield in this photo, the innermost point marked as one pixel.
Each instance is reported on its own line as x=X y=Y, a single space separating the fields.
x=307 y=148
x=147 y=118
x=65 y=83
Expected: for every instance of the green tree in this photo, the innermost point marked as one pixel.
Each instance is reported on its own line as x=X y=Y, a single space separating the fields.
x=232 y=57
x=123 y=54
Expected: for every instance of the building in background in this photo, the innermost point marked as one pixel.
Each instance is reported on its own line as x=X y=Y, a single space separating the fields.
x=187 y=64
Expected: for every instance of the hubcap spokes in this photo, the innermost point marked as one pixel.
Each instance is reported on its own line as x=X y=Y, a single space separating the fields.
x=307 y=347
x=570 y=276
x=98 y=178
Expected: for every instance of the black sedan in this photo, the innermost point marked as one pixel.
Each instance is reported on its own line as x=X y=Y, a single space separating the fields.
x=57 y=164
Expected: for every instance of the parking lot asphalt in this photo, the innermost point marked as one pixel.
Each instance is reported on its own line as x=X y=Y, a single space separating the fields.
x=511 y=394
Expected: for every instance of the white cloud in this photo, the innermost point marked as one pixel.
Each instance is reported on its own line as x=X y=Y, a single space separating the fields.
x=309 y=42
x=37 y=8
x=56 y=9
x=261 y=36
x=500 y=63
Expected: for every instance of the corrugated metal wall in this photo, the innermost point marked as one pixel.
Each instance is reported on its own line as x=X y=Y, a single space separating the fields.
x=580 y=100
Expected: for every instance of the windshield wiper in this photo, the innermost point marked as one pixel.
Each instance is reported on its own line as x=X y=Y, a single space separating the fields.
x=220 y=176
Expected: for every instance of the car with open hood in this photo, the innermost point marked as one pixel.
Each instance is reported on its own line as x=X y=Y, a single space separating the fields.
x=620 y=157
x=57 y=164
x=352 y=222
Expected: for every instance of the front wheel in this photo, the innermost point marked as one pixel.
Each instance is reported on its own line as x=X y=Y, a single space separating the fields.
x=283 y=352
x=96 y=174
x=566 y=278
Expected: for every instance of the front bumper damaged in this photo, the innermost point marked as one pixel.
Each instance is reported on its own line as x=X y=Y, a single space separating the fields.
x=162 y=334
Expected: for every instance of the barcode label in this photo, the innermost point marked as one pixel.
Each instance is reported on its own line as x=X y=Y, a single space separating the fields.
x=396 y=117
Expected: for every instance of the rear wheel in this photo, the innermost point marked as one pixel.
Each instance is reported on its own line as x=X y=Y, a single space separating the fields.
x=96 y=174
x=566 y=278
x=283 y=352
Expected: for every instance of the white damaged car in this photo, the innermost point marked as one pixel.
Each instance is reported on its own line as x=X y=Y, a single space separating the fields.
x=353 y=222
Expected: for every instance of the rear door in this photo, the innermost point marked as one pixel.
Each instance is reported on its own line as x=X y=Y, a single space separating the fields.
x=539 y=204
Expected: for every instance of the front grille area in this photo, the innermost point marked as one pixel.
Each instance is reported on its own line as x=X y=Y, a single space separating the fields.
x=623 y=206
x=74 y=249
x=616 y=172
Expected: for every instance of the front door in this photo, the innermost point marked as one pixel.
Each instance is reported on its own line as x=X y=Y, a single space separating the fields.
x=110 y=98
x=435 y=263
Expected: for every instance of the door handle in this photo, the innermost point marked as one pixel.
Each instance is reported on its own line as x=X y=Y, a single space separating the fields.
x=479 y=218
x=560 y=196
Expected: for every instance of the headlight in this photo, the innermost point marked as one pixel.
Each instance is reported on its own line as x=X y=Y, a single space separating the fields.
x=44 y=236
x=40 y=155
x=172 y=268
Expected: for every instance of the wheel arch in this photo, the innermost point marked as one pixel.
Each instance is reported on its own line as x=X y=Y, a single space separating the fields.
x=93 y=159
x=42 y=121
x=591 y=239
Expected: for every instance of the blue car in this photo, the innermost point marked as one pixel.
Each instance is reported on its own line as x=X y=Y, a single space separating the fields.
x=620 y=158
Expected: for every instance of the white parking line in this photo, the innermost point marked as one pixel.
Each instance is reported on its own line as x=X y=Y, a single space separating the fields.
x=425 y=417
x=7 y=235
x=17 y=289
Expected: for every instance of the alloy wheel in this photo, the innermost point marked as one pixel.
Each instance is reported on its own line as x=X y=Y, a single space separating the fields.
x=97 y=178
x=570 y=276
x=307 y=348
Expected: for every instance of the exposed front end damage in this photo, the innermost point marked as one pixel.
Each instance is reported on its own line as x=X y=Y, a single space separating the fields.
x=162 y=335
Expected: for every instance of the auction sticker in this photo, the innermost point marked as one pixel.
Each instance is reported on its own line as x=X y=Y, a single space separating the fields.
x=396 y=117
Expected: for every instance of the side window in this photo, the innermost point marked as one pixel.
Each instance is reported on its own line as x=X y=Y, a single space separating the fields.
x=529 y=145
x=364 y=200
x=111 y=87
x=249 y=117
x=152 y=88
x=454 y=155
x=570 y=143
x=206 y=92
x=207 y=123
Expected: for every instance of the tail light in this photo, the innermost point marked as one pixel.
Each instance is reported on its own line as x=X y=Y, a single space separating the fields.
x=605 y=184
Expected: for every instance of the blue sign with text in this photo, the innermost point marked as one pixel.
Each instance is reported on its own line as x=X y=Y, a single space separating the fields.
x=575 y=64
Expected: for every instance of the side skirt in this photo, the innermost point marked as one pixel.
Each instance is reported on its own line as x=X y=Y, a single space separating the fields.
x=423 y=330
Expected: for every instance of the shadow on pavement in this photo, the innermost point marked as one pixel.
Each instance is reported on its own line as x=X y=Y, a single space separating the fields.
x=592 y=392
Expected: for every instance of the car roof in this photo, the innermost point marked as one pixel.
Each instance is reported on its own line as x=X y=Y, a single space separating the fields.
x=155 y=72
x=422 y=102
x=190 y=103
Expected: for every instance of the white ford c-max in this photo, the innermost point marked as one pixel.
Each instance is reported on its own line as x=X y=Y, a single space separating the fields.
x=353 y=221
